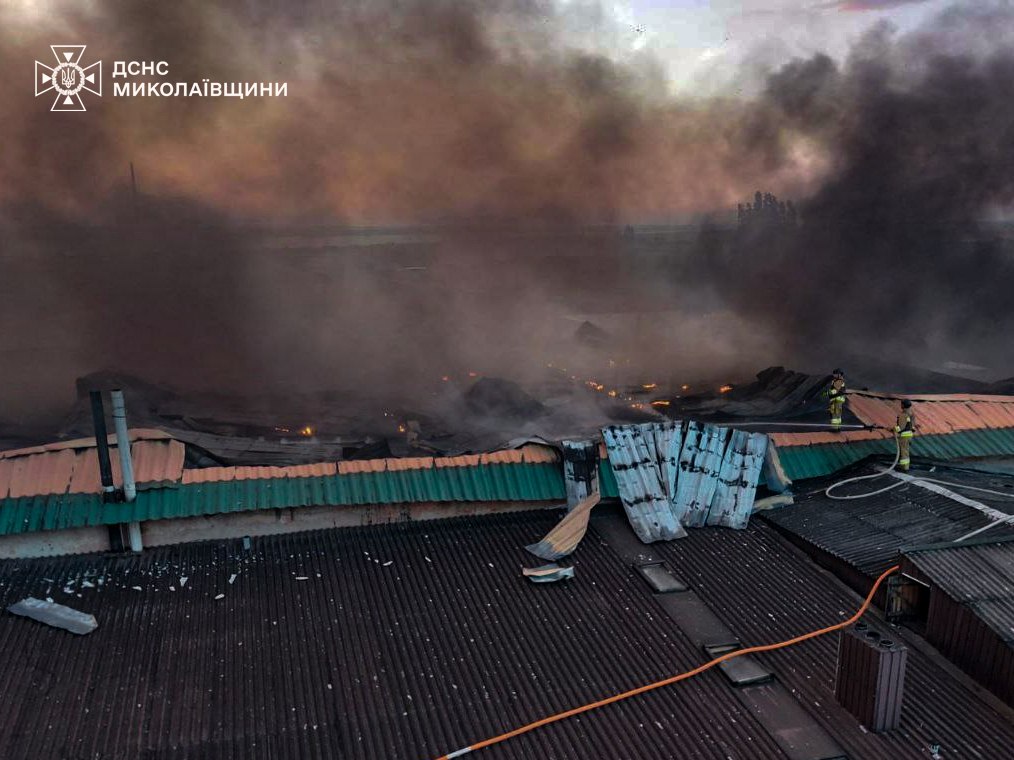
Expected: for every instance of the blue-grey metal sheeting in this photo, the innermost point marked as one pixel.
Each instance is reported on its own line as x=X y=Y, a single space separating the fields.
x=643 y=477
x=674 y=475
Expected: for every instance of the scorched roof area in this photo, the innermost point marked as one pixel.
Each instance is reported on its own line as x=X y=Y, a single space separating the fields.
x=411 y=641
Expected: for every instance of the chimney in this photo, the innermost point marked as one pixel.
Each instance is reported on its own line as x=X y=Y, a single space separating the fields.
x=126 y=463
x=102 y=444
x=870 y=677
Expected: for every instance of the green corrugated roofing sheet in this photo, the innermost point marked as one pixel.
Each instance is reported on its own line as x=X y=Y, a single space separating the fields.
x=801 y=462
x=492 y=482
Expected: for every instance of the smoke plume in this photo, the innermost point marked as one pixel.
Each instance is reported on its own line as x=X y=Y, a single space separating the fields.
x=513 y=141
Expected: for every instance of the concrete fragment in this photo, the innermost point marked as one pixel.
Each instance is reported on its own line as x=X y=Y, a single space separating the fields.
x=56 y=615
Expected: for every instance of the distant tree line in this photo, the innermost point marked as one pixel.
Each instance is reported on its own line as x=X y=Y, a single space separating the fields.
x=766 y=211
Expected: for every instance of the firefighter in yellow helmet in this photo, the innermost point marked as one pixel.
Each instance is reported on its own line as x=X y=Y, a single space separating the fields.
x=836 y=396
x=904 y=428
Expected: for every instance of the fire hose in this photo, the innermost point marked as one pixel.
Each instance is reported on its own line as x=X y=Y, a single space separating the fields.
x=671 y=680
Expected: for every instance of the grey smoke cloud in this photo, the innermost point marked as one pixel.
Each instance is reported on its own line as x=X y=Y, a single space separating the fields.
x=497 y=123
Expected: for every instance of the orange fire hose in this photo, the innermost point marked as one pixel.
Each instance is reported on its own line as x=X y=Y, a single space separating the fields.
x=673 y=679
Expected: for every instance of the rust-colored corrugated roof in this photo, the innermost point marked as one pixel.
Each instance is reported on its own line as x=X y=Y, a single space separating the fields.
x=72 y=466
x=135 y=434
x=935 y=415
x=221 y=474
x=62 y=468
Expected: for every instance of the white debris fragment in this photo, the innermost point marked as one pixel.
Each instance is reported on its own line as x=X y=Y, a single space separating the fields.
x=389 y=563
x=183 y=578
x=87 y=584
x=232 y=578
x=220 y=596
x=302 y=578
x=136 y=588
x=172 y=588
x=427 y=558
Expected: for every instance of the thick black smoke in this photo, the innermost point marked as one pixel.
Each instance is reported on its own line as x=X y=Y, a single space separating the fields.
x=507 y=135
x=892 y=255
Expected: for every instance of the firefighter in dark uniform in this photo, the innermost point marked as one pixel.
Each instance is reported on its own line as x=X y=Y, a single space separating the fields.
x=836 y=396
x=904 y=428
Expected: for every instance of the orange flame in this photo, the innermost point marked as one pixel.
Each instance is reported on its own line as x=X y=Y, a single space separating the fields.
x=649 y=386
x=725 y=389
x=660 y=403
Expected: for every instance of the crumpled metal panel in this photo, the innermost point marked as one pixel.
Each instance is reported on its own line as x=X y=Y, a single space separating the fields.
x=700 y=462
x=580 y=470
x=633 y=453
x=673 y=476
x=737 y=480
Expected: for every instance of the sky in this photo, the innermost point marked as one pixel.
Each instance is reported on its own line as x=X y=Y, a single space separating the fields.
x=706 y=44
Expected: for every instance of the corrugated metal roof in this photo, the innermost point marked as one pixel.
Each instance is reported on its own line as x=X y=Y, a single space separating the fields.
x=400 y=642
x=870 y=533
x=935 y=415
x=74 y=469
x=977 y=574
x=766 y=591
x=134 y=434
x=494 y=482
x=810 y=461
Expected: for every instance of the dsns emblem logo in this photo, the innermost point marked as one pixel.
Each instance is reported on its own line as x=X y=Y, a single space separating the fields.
x=68 y=78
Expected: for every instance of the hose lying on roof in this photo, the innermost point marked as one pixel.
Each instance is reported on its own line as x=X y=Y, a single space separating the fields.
x=897 y=453
x=673 y=679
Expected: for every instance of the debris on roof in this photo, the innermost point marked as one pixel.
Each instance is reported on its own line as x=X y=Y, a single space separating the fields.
x=671 y=475
x=550 y=573
x=563 y=539
x=56 y=615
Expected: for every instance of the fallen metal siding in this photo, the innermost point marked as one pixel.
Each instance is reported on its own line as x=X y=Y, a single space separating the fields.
x=633 y=455
x=737 y=480
x=672 y=475
x=700 y=460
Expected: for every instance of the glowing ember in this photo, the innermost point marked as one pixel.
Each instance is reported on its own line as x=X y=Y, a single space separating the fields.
x=306 y=431
x=445 y=378
x=685 y=387
x=401 y=428
x=649 y=386
x=612 y=394
x=660 y=403
x=282 y=430
x=725 y=389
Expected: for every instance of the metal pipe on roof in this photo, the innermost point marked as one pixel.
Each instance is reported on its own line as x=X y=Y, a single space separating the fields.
x=102 y=444
x=126 y=463
x=123 y=444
